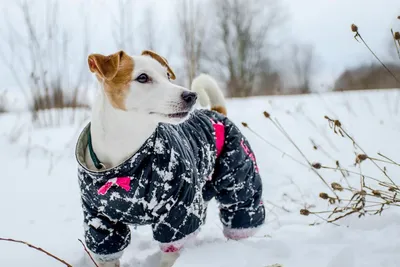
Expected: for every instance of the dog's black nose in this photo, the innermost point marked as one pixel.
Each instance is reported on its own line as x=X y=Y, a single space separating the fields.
x=189 y=97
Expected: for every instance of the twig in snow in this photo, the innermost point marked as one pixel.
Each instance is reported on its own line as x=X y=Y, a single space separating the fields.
x=87 y=251
x=37 y=248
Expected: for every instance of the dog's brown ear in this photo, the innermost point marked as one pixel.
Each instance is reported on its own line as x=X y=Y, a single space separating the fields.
x=161 y=60
x=105 y=66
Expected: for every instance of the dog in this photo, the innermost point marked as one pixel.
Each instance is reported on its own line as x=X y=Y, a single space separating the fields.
x=154 y=154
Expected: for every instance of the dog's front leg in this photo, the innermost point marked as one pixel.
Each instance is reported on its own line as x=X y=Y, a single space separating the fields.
x=168 y=258
x=115 y=263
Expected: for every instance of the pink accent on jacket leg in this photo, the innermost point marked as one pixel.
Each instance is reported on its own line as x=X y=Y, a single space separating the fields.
x=177 y=245
x=219 y=129
x=249 y=153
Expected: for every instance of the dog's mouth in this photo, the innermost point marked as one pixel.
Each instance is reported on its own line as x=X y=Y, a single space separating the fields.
x=178 y=115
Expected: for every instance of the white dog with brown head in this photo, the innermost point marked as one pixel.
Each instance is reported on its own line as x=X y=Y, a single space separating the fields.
x=135 y=95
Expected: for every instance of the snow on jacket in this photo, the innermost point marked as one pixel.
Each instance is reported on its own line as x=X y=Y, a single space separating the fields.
x=167 y=182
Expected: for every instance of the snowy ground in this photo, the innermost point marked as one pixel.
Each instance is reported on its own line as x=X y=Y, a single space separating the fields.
x=39 y=196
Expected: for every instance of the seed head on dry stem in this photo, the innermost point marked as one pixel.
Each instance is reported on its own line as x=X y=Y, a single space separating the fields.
x=266 y=114
x=316 y=165
x=324 y=195
x=336 y=125
x=354 y=28
x=392 y=189
x=398 y=17
x=304 y=212
x=397 y=35
x=244 y=124
x=337 y=186
x=376 y=193
x=367 y=199
x=360 y=158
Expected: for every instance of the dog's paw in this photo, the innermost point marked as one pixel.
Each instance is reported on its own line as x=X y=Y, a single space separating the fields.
x=168 y=259
x=238 y=234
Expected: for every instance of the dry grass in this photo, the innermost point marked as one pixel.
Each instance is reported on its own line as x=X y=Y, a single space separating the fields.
x=3 y=102
x=42 y=69
x=55 y=101
x=371 y=196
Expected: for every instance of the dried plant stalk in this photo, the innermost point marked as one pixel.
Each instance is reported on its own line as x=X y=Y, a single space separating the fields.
x=37 y=248
x=87 y=251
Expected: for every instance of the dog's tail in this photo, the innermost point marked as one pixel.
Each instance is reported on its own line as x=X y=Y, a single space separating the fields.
x=209 y=93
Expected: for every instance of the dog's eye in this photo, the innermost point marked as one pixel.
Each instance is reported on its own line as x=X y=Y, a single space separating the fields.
x=143 y=78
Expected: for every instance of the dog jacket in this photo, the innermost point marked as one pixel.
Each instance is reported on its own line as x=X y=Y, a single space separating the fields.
x=167 y=183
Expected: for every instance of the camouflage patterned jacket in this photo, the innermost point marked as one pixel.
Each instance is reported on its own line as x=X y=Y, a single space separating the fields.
x=167 y=182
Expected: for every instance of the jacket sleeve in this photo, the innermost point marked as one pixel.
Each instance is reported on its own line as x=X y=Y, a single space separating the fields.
x=238 y=185
x=104 y=238
x=177 y=214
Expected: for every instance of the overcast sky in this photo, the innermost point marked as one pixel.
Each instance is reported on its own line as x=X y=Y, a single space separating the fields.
x=326 y=24
x=322 y=23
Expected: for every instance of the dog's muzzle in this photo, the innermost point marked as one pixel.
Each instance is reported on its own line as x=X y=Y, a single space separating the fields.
x=189 y=98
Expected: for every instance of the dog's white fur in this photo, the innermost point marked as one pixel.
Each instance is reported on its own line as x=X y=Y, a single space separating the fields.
x=117 y=134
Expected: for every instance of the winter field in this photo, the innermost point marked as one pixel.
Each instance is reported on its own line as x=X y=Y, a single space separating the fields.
x=40 y=203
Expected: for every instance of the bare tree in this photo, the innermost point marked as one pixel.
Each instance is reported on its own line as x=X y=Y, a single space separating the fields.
x=303 y=67
x=124 y=25
x=41 y=62
x=268 y=81
x=151 y=36
x=150 y=30
x=192 y=28
x=242 y=43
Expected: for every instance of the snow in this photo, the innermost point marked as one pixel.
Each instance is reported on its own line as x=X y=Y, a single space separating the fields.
x=40 y=202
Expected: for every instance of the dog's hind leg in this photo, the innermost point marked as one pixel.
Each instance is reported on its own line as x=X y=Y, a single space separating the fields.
x=237 y=185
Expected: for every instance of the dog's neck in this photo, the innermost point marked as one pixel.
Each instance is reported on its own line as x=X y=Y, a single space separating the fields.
x=117 y=134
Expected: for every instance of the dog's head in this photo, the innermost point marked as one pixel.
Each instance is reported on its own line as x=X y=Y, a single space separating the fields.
x=142 y=84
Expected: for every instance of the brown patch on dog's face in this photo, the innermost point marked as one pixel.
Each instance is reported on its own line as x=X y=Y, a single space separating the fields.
x=115 y=71
x=220 y=109
x=161 y=60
